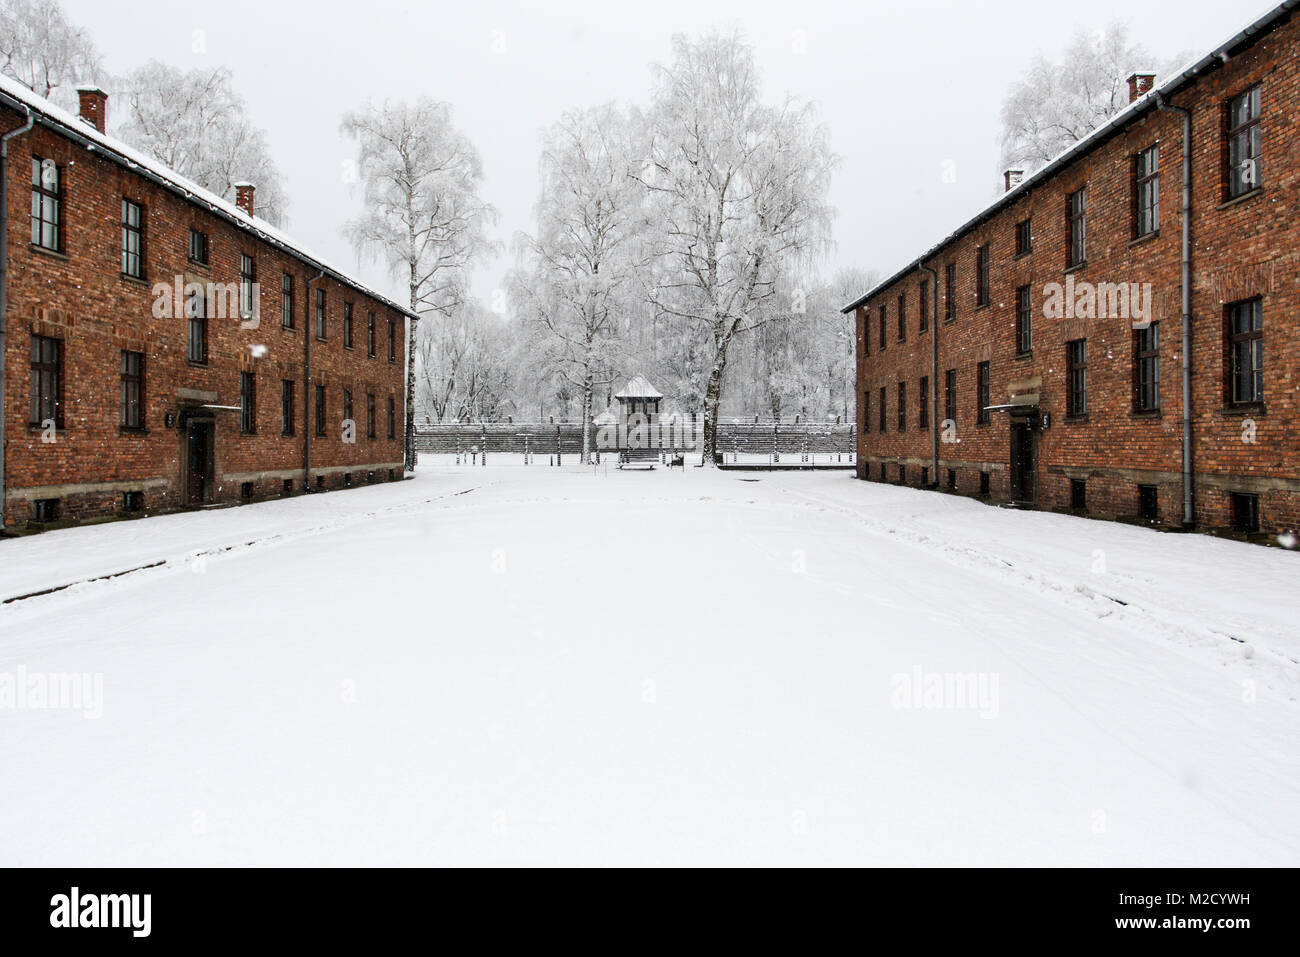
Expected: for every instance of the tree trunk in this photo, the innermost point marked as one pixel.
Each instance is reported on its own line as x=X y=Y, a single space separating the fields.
x=408 y=429
x=712 y=398
x=587 y=390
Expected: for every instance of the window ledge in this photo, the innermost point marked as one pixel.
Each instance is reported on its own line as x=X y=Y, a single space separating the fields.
x=1077 y=267
x=196 y=365
x=195 y=264
x=1025 y=255
x=132 y=430
x=36 y=427
x=1246 y=408
x=44 y=251
x=1145 y=414
x=1154 y=234
x=1022 y=356
x=137 y=280
x=1243 y=198
x=1075 y=419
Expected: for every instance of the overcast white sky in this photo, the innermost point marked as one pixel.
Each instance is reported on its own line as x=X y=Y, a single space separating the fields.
x=902 y=86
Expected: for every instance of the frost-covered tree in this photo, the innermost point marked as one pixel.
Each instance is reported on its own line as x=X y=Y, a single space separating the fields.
x=41 y=49
x=423 y=215
x=1056 y=104
x=578 y=272
x=799 y=358
x=465 y=372
x=738 y=193
x=195 y=123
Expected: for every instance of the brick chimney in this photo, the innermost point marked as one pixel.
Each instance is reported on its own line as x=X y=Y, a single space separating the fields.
x=244 y=197
x=93 y=106
x=1011 y=179
x=1139 y=85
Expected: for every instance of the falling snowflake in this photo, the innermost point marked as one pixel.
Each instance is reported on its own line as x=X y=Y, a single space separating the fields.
x=1287 y=539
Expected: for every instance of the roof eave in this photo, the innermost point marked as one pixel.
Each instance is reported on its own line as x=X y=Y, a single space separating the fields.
x=1131 y=114
x=245 y=224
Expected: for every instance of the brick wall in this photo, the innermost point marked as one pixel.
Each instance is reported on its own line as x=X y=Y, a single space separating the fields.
x=1241 y=250
x=81 y=297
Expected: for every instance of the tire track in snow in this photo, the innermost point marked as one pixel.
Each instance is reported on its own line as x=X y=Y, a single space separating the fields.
x=93 y=586
x=987 y=563
x=1246 y=650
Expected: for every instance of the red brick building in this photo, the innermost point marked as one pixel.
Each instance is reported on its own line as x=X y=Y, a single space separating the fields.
x=163 y=348
x=1044 y=354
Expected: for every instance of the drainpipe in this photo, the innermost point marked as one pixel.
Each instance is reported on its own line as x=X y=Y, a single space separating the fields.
x=934 y=372
x=308 y=396
x=4 y=285
x=1189 y=492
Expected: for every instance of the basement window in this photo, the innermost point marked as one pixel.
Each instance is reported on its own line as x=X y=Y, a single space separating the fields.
x=287 y=487
x=45 y=510
x=245 y=491
x=320 y=481
x=925 y=475
x=133 y=501
x=984 y=483
x=347 y=479
x=1148 y=503
x=1245 y=512
x=952 y=479
x=1079 y=495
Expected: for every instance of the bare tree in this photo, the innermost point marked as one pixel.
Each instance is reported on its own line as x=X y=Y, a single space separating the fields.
x=464 y=371
x=1054 y=105
x=577 y=272
x=739 y=195
x=195 y=123
x=42 y=50
x=423 y=214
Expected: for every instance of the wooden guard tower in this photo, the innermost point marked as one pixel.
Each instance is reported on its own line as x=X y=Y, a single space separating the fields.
x=639 y=403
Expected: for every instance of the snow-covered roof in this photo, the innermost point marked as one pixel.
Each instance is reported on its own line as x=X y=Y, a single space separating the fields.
x=639 y=388
x=1130 y=114
x=60 y=121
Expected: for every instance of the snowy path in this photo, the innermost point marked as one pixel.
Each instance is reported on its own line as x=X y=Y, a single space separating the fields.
x=650 y=668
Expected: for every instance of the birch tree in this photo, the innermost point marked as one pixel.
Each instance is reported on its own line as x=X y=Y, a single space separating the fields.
x=738 y=190
x=423 y=216
x=579 y=270
x=1055 y=105
x=195 y=123
x=45 y=52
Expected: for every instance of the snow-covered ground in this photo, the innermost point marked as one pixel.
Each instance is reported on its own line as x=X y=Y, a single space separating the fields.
x=537 y=665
